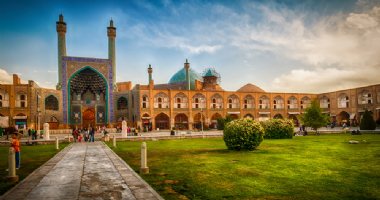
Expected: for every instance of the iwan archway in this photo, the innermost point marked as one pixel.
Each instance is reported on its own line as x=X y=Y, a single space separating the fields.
x=87 y=98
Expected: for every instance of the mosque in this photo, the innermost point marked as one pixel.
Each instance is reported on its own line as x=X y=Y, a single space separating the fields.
x=87 y=94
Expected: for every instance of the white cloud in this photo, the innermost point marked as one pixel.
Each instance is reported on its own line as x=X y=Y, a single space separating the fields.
x=5 y=78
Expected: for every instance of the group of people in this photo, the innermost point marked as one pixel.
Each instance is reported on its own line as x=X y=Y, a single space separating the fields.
x=32 y=133
x=88 y=135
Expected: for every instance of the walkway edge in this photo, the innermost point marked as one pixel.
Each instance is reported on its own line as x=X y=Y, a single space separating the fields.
x=29 y=177
x=135 y=174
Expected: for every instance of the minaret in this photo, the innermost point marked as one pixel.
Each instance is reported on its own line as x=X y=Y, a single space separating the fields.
x=61 y=31
x=187 y=68
x=111 y=33
x=150 y=71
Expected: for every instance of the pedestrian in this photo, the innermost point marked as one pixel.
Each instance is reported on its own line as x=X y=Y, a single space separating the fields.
x=16 y=146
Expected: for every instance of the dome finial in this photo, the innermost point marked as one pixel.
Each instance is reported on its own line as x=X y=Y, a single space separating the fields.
x=187 y=61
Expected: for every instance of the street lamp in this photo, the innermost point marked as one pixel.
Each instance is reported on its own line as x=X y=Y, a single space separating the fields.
x=202 y=120
x=38 y=114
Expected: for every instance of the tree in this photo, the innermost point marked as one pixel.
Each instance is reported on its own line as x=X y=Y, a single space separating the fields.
x=313 y=116
x=223 y=121
x=367 y=122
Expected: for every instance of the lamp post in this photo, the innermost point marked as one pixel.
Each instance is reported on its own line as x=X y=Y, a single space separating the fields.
x=38 y=114
x=202 y=120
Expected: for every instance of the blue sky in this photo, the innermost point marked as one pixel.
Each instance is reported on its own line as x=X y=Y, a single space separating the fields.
x=289 y=46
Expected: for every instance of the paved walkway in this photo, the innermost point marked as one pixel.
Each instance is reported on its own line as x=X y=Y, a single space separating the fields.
x=83 y=171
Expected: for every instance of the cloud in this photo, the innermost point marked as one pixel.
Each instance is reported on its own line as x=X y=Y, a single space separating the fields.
x=347 y=43
x=322 y=80
x=5 y=78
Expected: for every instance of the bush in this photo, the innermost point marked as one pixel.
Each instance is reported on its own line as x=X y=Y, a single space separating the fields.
x=367 y=122
x=223 y=121
x=243 y=134
x=278 y=129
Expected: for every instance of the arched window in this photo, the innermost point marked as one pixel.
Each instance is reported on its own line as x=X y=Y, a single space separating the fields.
x=343 y=101
x=161 y=100
x=305 y=102
x=216 y=101
x=51 y=103
x=278 y=103
x=199 y=101
x=180 y=101
x=4 y=99
x=21 y=101
x=324 y=102
x=264 y=102
x=122 y=103
x=292 y=103
x=248 y=102
x=145 y=101
x=233 y=101
x=365 y=97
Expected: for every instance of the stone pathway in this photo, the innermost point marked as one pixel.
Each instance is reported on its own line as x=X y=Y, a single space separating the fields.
x=83 y=171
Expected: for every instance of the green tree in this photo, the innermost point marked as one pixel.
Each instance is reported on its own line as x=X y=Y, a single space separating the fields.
x=223 y=121
x=367 y=122
x=313 y=116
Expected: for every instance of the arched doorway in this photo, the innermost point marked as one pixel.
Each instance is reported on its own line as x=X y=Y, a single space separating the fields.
x=214 y=120
x=249 y=116
x=88 y=118
x=147 y=124
x=344 y=118
x=181 y=122
x=87 y=98
x=162 y=121
x=278 y=116
x=199 y=121
x=233 y=116
x=294 y=118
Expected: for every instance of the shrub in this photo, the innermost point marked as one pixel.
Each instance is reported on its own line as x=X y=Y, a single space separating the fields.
x=367 y=122
x=243 y=134
x=223 y=121
x=278 y=129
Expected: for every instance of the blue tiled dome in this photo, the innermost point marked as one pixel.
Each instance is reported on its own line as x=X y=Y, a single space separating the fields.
x=180 y=77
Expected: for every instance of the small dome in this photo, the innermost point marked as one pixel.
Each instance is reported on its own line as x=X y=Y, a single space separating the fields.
x=250 y=88
x=180 y=77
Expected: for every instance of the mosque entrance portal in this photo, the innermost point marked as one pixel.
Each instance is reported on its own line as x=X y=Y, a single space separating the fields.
x=88 y=98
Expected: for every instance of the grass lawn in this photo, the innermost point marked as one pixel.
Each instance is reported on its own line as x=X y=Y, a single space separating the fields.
x=311 y=167
x=31 y=158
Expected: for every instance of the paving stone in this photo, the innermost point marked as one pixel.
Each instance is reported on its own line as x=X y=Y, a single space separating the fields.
x=83 y=171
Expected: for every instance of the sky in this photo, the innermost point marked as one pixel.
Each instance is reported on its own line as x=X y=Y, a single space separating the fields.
x=281 y=46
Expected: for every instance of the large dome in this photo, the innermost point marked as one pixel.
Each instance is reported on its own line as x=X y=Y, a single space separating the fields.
x=180 y=77
x=250 y=88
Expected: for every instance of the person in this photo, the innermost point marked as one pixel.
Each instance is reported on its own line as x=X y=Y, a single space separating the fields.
x=92 y=134
x=75 y=134
x=29 y=132
x=16 y=146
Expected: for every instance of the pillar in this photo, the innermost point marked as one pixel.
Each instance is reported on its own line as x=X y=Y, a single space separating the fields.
x=46 y=131
x=114 y=140
x=56 y=143
x=144 y=166
x=12 y=166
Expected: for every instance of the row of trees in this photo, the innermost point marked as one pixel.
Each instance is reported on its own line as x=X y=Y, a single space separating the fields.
x=248 y=134
x=314 y=118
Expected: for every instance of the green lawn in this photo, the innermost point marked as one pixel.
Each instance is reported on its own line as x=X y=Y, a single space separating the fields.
x=31 y=158
x=312 y=167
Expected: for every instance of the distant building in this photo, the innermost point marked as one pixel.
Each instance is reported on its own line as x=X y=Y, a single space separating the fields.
x=87 y=95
